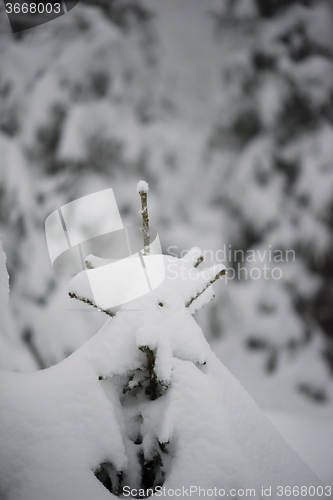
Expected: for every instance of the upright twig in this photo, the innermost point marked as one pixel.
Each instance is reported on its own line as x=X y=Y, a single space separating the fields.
x=143 y=190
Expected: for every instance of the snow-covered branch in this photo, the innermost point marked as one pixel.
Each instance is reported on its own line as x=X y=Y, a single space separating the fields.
x=73 y=295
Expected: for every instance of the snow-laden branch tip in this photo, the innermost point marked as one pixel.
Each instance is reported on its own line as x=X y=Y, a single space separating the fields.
x=142 y=187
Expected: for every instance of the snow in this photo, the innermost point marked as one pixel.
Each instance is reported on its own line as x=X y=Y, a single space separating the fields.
x=13 y=355
x=205 y=179
x=142 y=187
x=312 y=442
x=280 y=182
x=60 y=421
x=58 y=425
x=128 y=278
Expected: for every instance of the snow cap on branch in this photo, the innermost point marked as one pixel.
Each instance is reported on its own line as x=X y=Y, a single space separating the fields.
x=142 y=187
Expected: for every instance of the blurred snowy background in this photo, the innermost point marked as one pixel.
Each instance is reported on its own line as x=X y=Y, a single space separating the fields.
x=226 y=108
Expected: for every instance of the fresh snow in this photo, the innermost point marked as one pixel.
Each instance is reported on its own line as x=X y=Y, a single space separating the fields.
x=142 y=187
x=172 y=122
x=58 y=425
x=313 y=442
x=172 y=125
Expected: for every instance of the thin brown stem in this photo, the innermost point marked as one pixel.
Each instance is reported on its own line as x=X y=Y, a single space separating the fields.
x=218 y=275
x=199 y=260
x=90 y=303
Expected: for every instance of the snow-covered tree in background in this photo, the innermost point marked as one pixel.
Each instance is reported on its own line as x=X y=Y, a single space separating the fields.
x=144 y=404
x=277 y=123
x=82 y=89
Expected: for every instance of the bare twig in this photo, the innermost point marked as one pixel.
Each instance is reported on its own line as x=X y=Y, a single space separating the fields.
x=218 y=275
x=90 y=303
x=199 y=260
x=143 y=190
